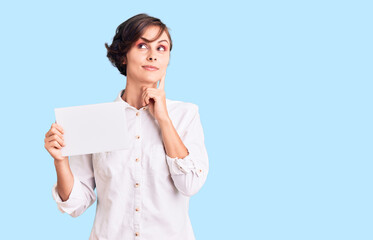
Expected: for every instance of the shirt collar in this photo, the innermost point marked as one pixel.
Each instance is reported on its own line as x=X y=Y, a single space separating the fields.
x=119 y=99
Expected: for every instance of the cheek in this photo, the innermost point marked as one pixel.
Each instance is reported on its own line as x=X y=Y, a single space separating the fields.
x=165 y=60
x=134 y=61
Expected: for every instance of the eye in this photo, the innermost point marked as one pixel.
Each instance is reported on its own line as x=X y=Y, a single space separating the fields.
x=162 y=47
x=140 y=45
x=143 y=46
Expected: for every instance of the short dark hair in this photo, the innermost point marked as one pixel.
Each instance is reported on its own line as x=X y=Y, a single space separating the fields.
x=127 y=34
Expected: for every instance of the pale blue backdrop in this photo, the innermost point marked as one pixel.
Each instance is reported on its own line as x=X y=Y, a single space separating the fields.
x=285 y=96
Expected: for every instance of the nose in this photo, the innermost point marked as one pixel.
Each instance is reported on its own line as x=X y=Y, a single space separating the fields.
x=150 y=58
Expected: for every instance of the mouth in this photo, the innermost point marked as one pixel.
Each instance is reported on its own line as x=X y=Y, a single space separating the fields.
x=150 y=68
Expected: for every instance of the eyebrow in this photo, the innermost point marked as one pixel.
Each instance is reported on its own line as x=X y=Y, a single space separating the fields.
x=147 y=40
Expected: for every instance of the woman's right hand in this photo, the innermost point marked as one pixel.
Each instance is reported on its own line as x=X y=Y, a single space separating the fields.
x=54 y=141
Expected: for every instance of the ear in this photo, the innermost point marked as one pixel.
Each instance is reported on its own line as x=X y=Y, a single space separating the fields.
x=124 y=60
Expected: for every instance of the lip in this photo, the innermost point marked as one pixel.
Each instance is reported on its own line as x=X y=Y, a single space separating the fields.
x=150 y=68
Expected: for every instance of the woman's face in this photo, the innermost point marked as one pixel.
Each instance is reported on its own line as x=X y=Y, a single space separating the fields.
x=147 y=61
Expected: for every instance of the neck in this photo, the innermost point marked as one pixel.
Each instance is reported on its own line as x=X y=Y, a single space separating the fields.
x=133 y=92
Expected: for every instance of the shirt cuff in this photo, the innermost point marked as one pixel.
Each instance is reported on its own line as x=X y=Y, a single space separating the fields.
x=184 y=165
x=74 y=199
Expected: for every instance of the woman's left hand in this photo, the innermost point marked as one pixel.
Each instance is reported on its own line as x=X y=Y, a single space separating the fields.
x=155 y=98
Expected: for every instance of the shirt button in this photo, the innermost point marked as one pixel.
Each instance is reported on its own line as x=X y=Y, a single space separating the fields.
x=137 y=159
x=137 y=185
x=137 y=234
x=137 y=114
x=200 y=170
x=137 y=209
x=137 y=136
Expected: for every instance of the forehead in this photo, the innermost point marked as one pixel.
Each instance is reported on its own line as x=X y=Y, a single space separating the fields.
x=152 y=31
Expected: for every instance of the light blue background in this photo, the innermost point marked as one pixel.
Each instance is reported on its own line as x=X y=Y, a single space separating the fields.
x=284 y=90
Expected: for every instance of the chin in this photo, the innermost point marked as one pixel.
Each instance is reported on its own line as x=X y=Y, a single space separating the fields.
x=151 y=79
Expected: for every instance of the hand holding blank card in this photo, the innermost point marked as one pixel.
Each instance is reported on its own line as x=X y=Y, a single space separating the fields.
x=93 y=128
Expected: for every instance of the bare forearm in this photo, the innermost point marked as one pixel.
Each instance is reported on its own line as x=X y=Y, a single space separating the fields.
x=65 y=178
x=172 y=141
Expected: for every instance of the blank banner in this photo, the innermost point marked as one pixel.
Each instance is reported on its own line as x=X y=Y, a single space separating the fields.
x=93 y=128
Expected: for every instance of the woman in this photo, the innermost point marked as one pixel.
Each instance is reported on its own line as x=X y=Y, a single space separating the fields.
x=142 y=192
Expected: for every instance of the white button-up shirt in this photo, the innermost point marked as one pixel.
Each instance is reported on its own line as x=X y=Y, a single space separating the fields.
x=142 y=193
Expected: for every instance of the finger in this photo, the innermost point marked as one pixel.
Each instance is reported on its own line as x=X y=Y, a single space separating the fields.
x=151 y=95
x=161 y=82
x=56 y=145
x=50 y=132
x=53 y=133
x=57 y=138
x=54 y=129
x=144 y=94
x=143 y=98
x=59 y=127
x=53 y=144
x=148 y=96
x=146 y=99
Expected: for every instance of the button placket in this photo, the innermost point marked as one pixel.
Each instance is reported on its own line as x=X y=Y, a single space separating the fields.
x=137 y=174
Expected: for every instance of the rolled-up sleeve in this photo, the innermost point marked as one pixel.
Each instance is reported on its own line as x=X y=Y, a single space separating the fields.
x=189 y=173
x=82 y=195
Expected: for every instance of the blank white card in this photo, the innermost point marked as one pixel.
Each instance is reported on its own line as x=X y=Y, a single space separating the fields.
x=93 y=128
